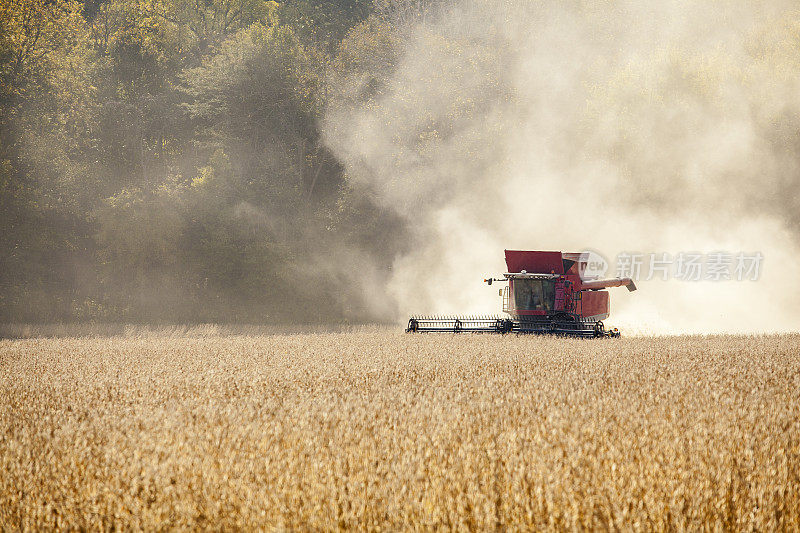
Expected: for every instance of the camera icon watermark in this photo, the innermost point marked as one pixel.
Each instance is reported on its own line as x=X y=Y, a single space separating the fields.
x=592 y=265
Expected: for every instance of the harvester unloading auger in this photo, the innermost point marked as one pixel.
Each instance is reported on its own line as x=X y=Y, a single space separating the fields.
x=547 y=293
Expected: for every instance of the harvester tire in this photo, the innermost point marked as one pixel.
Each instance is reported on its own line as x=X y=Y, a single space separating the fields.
x=599 y=329
x=503 y=326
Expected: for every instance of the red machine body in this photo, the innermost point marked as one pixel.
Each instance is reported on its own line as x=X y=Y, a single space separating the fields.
x=547 y=292
x=546 y=283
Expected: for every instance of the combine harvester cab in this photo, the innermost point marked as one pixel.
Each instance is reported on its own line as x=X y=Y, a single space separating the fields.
x=547 y=293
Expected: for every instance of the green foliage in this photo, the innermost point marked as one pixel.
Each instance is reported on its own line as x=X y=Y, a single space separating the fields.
x=211 y=22
x=162 y=160
x=365 y=60
x=324 y=23
x=36 y=37
x=260 y=77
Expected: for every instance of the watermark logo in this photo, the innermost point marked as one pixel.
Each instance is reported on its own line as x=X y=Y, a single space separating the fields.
x=690 y=266
x=592 y=265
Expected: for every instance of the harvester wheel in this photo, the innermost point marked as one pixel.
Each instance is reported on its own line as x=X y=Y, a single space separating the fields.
x=503 y=326
x=599 y=329
x=566 y=320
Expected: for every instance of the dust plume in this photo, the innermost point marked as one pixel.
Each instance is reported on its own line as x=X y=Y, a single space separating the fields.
x=619 y=126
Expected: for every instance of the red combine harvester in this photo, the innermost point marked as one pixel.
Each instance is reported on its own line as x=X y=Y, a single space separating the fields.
x=547 y=293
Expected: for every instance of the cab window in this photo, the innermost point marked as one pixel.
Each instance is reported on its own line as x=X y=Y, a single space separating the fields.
x=534 y=294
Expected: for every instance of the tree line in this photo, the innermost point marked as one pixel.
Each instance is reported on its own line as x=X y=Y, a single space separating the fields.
x=162 y=160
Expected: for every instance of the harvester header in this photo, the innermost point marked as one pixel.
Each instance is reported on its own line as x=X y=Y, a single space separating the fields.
x=547 y=292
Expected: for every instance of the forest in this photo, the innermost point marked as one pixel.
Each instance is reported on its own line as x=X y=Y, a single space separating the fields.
x=162 y=160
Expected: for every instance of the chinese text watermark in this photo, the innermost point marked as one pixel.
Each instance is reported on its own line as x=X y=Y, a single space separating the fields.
x=690 y=266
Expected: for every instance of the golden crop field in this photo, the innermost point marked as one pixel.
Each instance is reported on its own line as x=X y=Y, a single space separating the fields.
x=378 y=430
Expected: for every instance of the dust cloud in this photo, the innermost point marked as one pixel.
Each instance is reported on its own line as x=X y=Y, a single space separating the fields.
x=616 y=126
